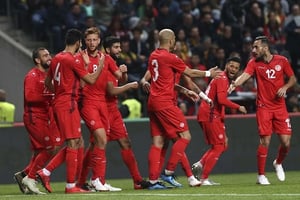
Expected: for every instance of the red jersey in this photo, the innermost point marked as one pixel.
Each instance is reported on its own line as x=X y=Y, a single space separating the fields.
x=270 y=77
x=112 y=68
x=37 y=99
x=66 y=71
x=217 y=92
x=96 y=91
x=163 y=67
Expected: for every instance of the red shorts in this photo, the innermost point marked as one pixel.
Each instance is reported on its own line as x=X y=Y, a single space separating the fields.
x=117 y=127
x=68 y=122
x=214 y=132
x=43 y=132
x=95 y=116
x=168 y=122
x=273 y=122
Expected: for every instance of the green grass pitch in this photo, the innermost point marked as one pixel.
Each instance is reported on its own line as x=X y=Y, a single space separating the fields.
x=233 y=187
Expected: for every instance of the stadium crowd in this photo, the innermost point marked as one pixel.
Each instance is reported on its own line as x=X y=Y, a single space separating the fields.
x=207 y=33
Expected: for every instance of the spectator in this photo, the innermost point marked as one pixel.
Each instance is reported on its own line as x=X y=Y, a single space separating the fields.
x=75 y=17
x=292 y=30
x=7 y=110
x=134 y=64
x=57 y=15
x=255 y=20
x=103 y=13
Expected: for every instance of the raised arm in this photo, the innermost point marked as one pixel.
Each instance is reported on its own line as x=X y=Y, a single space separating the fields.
x=238 y=81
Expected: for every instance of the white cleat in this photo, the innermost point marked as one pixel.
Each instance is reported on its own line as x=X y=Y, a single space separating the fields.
x=98 y=185
x=31 y=185
x=262 y=180
x=207 y=182
x=197 y=169
x=111 y=188
x=279 y=171
x=193 y=182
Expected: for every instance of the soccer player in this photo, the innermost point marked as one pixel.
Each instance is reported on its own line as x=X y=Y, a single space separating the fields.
x=193 y=182
x=39 y=121
x=65 y=72
x=166 y=119
x=211 y=120
x=269 y=71
x=118 y=130
x=95 y=114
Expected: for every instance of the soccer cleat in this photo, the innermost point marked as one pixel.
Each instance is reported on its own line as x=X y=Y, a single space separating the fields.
x=111 y=188
x=75 y=190
x=31 y=184
x=262 y=180
x=193 y=182
x=18 y=178
x=157 y=186
x=45 y=180
x=197 y=169
x=279 y=171
x=98 y=185
x=208 y=182
x=87 y=187
x=170 y=179
x=141 y=185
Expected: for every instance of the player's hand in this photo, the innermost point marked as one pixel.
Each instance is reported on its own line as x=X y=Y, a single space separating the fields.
x=85 y=57
x=123 y=68
x=281 y=92
x=215 y=72
x=133 y=85
x=231 y=87
x=146 y=86
x=193 y=95
x=101 y=58
x=242 y=109
x=210 y=102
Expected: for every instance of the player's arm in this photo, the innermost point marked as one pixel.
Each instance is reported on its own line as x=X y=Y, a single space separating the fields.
x=223 y=100
x=49 y=84
x=238 y=81
x=291 y=82
x=213 y=72
x=112 y=90
x=189 y=93
x=91 y=78
x=144 y=82
x=121 y=74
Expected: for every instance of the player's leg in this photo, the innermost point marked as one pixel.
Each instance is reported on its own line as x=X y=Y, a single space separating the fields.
x=264 y=122
x=283 y=128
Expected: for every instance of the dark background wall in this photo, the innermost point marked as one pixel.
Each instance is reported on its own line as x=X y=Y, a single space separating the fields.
x=240 y=157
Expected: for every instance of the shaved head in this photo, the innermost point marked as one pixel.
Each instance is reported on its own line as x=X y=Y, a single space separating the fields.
x=167 y=39
x=165 y=35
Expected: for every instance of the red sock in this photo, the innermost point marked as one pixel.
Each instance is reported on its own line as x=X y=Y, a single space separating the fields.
x=163 y=154
x=262 y=153
x=204 y=157
x=185 y=163
x=282 y=153
x=177 y=152
x=212 y=159
x=86 y=166
x=154 y=162
x=130 y=161
x=79 y=161
x=71 y=164
x=98 y=164
x=57 y=160
x=28 y=167
x=39 y=163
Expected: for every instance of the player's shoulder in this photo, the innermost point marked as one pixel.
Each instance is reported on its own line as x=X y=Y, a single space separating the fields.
x=33 y=72
x=279 y=57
